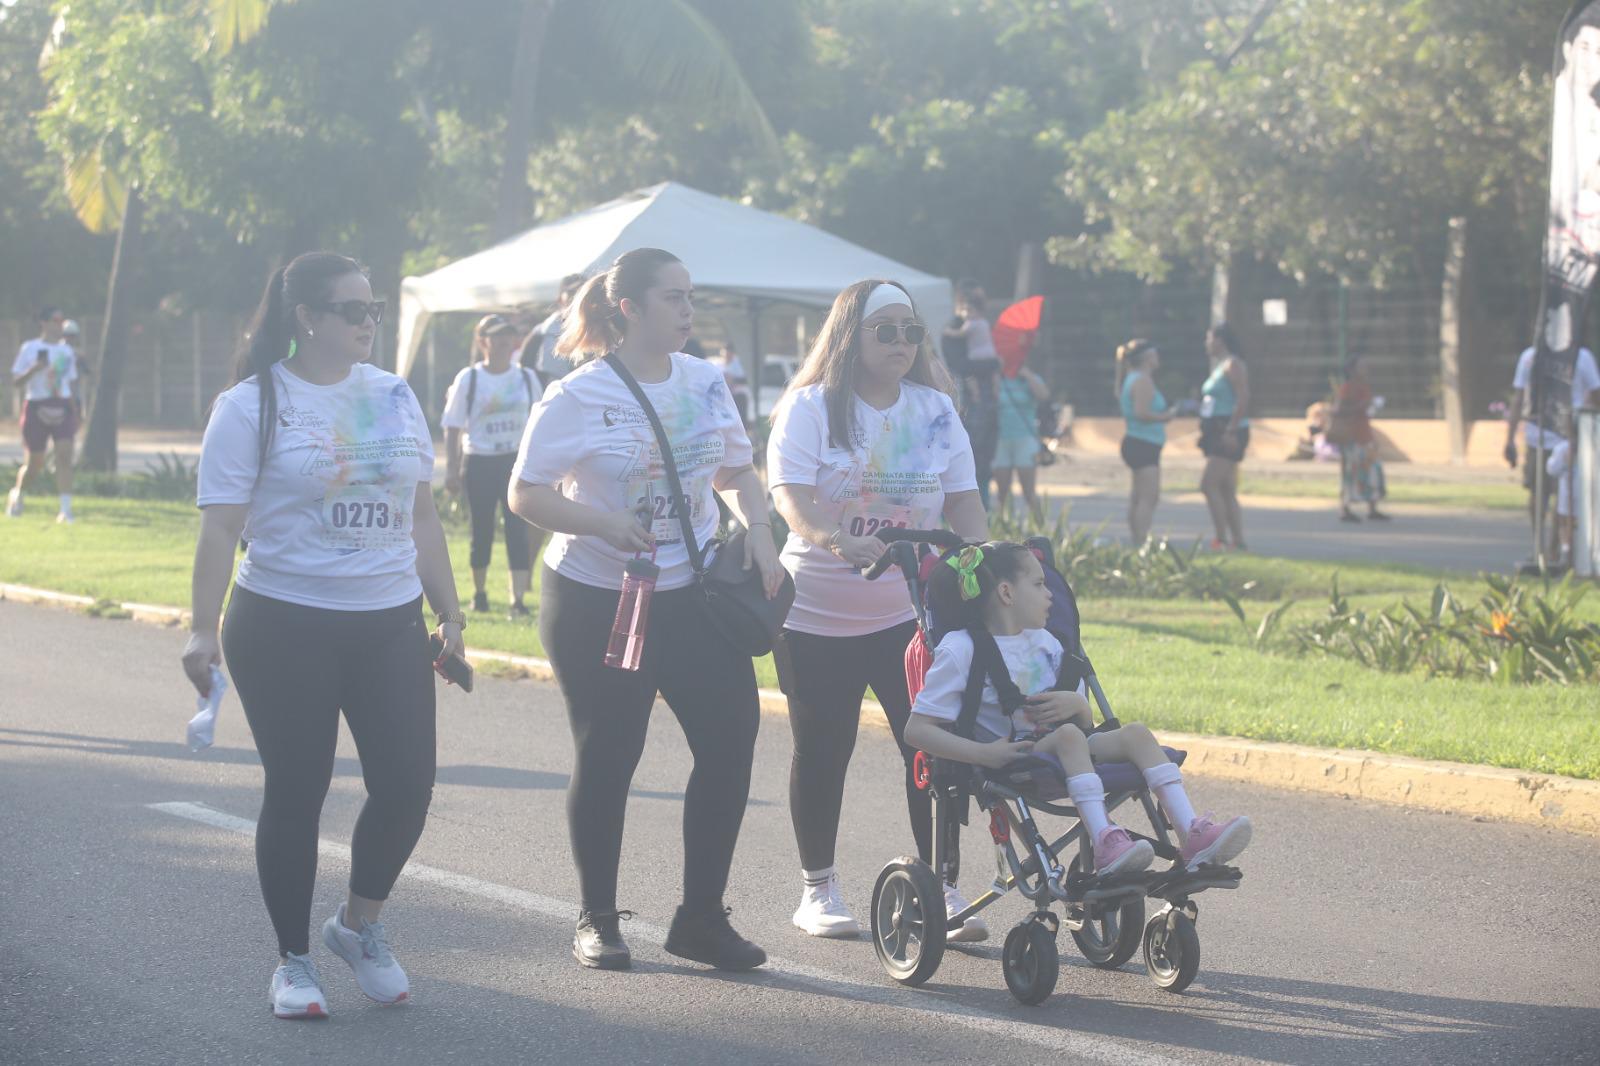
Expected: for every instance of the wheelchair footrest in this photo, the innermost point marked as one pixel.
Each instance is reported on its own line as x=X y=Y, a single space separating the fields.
x=1091 y=888
x=1178 y=883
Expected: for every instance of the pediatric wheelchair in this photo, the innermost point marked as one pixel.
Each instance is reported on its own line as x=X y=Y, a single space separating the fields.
x=1106 y=915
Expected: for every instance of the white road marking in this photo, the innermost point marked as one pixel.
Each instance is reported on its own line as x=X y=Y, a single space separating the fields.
x=1085 y=1047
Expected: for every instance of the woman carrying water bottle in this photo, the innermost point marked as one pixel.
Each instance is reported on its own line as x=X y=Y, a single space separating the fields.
x=591 y=437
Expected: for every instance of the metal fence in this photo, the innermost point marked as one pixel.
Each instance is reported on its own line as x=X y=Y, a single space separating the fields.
x=1291 y=364
x=176 y=365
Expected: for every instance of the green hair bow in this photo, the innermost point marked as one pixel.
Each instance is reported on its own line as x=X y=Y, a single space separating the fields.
x=966 y=563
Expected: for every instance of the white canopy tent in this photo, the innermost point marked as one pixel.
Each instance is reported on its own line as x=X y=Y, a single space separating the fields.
x=730 y=250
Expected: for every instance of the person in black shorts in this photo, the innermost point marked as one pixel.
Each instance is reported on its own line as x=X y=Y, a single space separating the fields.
x=1146 y=413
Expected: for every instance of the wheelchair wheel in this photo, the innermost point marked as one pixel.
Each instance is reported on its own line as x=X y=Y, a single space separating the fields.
x=908 y=920
x=1171 y=950
x=1030 y=963
x=1112 y=939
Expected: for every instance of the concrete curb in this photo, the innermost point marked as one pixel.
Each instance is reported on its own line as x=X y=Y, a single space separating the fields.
x=1564 y=803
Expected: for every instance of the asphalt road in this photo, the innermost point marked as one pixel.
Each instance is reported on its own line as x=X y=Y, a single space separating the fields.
x=131 y=929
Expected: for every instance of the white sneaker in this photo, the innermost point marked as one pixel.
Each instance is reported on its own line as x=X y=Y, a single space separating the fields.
x=822 y=912
x=297 y=989
x=973 y=929
x=14 y=504
x=367 y=952
x=65 y=516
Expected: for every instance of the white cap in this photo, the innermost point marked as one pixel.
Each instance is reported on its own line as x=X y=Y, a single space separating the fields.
x=71 y=328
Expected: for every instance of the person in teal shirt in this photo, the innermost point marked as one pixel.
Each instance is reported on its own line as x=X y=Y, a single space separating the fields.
x=1224 y=436
x=1146 y=412
x=1018 y=446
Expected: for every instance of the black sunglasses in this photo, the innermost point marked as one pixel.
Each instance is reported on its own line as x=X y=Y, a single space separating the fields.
x=354 y=312
x=886 y=332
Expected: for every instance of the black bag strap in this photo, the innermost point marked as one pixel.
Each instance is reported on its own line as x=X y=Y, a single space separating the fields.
x=987 y=665
x=680 y=504
x=527 y=384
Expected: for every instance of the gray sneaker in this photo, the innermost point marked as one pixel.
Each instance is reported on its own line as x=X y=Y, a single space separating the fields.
x=297 y=989
x=367 y=952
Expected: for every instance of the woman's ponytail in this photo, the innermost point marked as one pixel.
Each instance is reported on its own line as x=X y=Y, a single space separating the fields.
x=1126 y=354
x=589 y=328
x=594 y=323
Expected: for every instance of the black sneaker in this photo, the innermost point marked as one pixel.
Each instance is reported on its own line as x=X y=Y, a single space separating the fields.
x=598 y=942
x=517 y=612
x=708 y=937
x=480 y=601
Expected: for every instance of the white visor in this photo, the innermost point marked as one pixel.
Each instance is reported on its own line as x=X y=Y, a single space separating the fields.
x=885 y=295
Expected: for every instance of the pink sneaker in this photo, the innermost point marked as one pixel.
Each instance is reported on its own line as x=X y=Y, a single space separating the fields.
x=1210 y=841
x=1115 y=852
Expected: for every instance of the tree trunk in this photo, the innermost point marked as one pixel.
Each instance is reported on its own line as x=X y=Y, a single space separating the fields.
x=513 y=204
x=100 y=446
x=1450 y=308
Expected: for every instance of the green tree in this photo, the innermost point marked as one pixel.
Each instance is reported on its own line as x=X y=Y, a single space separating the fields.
x=1340 y=144
x=50 y=257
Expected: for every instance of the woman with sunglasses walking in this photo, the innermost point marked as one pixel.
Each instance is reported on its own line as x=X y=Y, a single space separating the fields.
x=591 y=472
x=322 y=462
x=867 y=437
x=483 y=423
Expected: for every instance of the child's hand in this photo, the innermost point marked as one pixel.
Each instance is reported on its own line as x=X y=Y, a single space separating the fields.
x=1052 y=709
x=998 y=753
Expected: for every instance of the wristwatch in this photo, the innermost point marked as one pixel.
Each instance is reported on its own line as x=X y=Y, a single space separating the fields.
x=456 y=617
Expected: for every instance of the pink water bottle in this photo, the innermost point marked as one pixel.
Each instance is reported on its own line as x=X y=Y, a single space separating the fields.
x=626 y=649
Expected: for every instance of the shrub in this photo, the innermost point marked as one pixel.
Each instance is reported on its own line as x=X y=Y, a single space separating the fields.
x=1513 y=635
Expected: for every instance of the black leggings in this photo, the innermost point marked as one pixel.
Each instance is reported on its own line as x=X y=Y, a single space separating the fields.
x=296 y=668
x=825 y=679
x=711 y=689
x=488 y=482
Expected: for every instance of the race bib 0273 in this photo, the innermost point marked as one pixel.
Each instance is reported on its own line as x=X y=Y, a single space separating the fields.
x=364 y=516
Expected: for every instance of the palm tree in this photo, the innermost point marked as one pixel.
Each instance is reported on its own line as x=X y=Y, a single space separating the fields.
x=106 y=198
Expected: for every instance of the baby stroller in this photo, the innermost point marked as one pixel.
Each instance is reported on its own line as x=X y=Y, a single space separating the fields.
x=1105 y=915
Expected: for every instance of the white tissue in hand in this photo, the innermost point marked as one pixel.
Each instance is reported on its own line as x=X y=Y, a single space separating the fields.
x=202 y=727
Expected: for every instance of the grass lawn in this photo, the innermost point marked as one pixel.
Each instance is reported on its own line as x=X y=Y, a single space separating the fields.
x=1175 y=664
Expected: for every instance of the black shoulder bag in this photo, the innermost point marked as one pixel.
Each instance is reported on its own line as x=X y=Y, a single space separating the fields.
x=736 y=602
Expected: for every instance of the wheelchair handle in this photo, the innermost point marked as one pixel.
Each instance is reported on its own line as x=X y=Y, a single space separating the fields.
x=900 y=554
x=900 y=551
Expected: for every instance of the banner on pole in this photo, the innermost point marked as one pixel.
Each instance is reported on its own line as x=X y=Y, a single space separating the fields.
x=1572 y=240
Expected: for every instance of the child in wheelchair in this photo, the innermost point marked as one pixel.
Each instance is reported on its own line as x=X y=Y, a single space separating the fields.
x=996 y=600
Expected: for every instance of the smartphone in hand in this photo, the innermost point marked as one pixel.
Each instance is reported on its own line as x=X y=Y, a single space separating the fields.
x=454 y=668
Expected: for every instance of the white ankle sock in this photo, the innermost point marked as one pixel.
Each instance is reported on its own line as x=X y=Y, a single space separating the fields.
x=817 y=878
x=1088 y=794
x=1166 y=781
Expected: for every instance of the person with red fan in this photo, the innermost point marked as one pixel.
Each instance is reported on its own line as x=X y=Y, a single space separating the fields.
x=1020 y=393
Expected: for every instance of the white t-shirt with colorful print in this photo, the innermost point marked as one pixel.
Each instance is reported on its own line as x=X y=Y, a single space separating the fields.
x=498 y=411
x=590 y=436
x=1033 y=658
x=61 y=369
x=330 y=522
x=901 y=464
